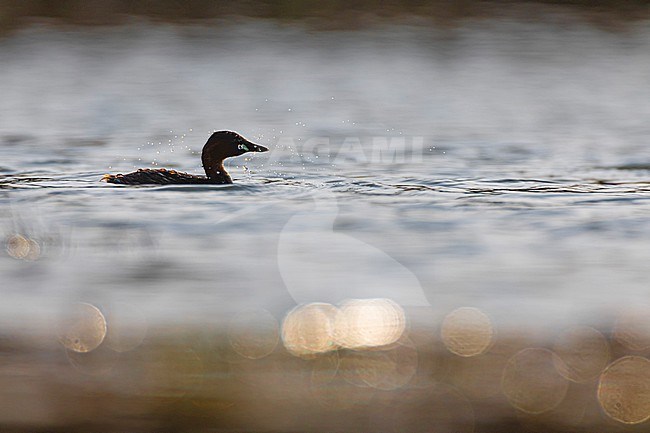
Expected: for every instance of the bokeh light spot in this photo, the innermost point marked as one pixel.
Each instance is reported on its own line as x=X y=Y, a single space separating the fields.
x=467 y=332
x=624 y=390
x=584 y=353
x=309 y=329
x=254 y=334
x=367 y=323
x=83 y=328
x=531 y=383
x=23 y=248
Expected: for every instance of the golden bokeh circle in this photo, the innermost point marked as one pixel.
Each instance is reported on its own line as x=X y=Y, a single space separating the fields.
x=624 y=390
x=632 y=329
x=467 y=332
x=367 y=323
x=531 y=382
x=308 y=329
x=83 y=328
x=34 y=250
x=254 y=334
x=22 y=248
x=584 y=353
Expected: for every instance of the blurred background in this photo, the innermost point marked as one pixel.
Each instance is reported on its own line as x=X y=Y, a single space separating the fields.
x=449 y=234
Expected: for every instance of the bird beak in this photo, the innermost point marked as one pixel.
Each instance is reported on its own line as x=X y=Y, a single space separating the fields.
x=252 y=147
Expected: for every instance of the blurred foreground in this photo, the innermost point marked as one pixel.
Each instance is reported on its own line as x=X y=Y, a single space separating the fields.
x=367 y=365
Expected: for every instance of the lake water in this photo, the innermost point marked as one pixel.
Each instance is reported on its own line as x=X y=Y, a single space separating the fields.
x=500 y=165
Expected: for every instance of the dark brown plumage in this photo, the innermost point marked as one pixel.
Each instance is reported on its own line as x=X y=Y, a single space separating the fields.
x=220 y=145
x=159 y=176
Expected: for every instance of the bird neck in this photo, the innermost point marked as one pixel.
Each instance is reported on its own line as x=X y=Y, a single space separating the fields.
x=216 y=171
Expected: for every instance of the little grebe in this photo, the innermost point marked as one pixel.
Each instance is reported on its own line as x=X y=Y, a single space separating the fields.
x=220 y=145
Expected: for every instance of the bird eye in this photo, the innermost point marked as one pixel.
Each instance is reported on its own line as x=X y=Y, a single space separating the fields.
x=243 y=147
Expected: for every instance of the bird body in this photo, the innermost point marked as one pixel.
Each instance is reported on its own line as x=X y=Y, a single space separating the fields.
x=220 y=145
x=160 y=176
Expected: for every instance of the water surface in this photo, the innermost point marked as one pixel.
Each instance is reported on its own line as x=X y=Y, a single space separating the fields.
x=523 y=189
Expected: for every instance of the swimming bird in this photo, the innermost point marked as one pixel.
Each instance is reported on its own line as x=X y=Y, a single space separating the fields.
x=220 y=145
